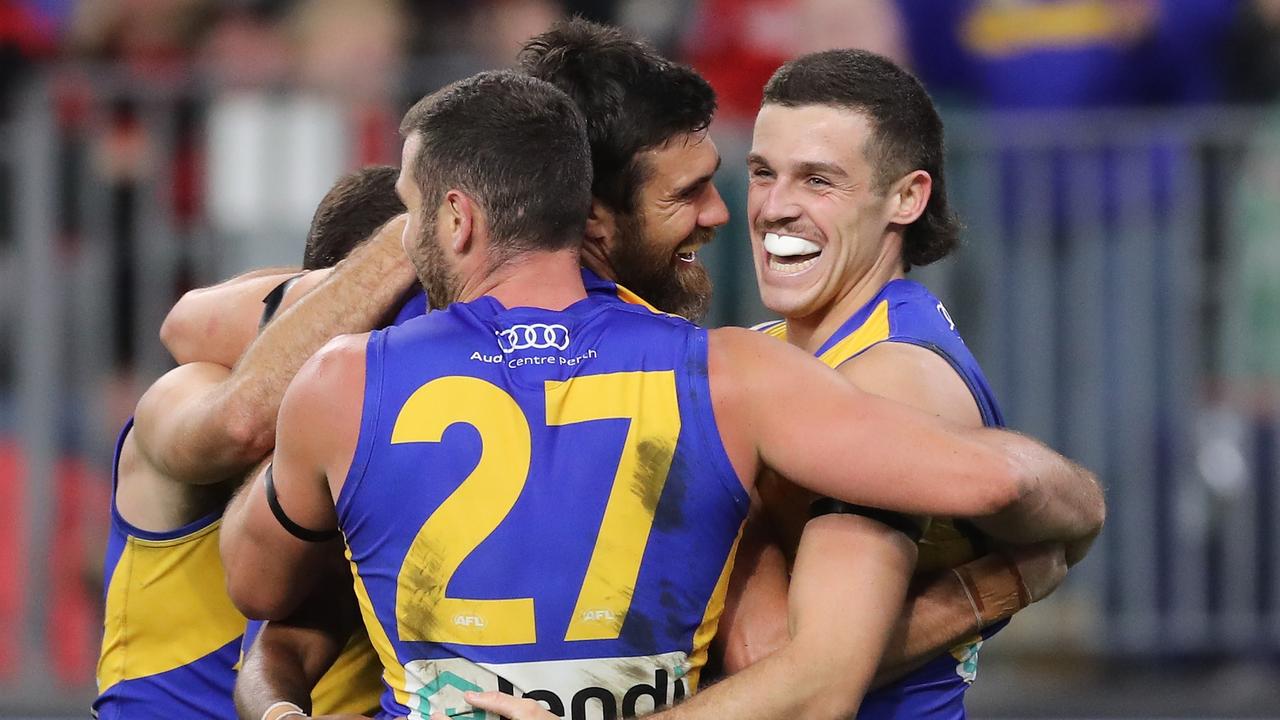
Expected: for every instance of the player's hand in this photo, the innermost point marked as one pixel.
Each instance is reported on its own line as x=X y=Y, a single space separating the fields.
x=503 y=704
x=1042 y=567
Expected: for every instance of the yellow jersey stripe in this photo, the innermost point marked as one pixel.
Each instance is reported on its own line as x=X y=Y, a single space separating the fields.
x=1008 y=28
x=392 y=670
x=627 y=296
x=874 y=330
x=711 y=618
x=167 y=606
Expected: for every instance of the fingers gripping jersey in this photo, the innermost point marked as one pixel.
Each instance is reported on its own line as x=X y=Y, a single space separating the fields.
x=905 y=311
x=539 y=503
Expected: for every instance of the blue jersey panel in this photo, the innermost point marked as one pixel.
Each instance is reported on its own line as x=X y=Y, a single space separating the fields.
x=539 y=503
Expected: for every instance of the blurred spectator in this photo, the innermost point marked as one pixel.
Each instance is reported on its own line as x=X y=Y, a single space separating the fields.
x=737 y=44
x=28 y=32
x=1254 y=61
x=272 y=155
x=500 y=27
x=1070 y=53
x=356 y=49
x=151 y=37
x=1250 y=340
x=245 y=47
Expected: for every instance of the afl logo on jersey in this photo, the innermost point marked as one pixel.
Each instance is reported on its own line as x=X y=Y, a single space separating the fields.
x=536 y=336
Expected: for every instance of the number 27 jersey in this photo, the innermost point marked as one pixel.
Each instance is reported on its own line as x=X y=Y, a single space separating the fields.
x=539 y=503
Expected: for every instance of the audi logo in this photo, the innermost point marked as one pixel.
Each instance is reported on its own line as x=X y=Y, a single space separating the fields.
x=533 y=337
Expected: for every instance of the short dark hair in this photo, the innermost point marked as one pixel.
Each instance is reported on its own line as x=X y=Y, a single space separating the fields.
x=517 y=146
x=633 y=99
x=906 y=130
x=357 y=205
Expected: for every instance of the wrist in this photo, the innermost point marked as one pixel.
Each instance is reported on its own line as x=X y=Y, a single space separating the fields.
x=993 y=587
x=284 y=711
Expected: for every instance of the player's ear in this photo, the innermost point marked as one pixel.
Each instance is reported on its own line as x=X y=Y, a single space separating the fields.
x=909 y=196
x=460 y=220
x=602 y=224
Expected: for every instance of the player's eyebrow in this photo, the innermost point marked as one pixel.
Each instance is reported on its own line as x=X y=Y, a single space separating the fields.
x=815 y=167
x=693 y=186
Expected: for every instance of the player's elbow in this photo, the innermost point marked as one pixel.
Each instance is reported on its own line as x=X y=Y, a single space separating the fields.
x=1094 y=507
x=1004 y=486
x=252 y=597
x=178 y=334
x=249 y=435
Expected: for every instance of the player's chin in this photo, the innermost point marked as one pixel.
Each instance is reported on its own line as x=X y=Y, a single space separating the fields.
x=693 y=295
x=786 y=300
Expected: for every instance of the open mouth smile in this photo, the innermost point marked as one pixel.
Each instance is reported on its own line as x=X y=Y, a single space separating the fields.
x=790 y=254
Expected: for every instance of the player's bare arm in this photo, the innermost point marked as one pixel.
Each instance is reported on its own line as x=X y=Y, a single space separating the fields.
x=197 y=426
x=754 y=622
x=843 y=608
x=938 y=613
x=936 y=616
x=269 y=569
x=769 y=396
x=216 y=323
x=288 y=657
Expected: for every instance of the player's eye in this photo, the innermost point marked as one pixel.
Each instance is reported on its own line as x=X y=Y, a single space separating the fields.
x=817 y=181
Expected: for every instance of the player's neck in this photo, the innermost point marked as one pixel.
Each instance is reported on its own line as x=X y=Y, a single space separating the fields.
x=594 y=259
x=550 y=280
x=811 y=331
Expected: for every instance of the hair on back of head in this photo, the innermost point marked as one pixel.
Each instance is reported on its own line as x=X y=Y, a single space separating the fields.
x=906 y=131
x=633 y=99
x=517 y=146
x=358 y=204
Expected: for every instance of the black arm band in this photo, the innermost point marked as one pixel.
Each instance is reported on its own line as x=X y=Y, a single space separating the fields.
x=902 y=523
x=271 y=303
x=289 y=525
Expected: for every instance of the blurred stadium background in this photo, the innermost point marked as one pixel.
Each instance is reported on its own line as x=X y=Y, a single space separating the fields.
x=1117 y=164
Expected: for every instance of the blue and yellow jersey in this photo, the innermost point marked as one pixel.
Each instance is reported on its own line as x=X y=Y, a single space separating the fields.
x=351 y=686
x=171 y=636
x=539 y=503
x=906 y=312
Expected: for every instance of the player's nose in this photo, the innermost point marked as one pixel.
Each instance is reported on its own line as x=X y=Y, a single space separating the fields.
x=715 y=213
x=777 y=204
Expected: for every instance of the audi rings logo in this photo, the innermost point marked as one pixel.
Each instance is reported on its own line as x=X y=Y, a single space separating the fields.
x=533 y=337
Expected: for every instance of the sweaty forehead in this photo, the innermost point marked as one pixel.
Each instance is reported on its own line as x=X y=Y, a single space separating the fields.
x=810 y=133
x=683 y=159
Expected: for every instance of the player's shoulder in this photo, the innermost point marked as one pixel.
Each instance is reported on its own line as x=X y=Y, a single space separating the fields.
x=744 y=352
x=914 y=311
x=338 y=361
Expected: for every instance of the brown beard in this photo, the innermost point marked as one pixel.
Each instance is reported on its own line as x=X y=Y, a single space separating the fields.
x=683 y=289
x=438 y=279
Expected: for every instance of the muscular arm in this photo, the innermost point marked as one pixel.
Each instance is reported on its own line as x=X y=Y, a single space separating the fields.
x=270 y=571
x=215 y=324
x=768 y=396
x=217 y=431
x=290 y=656
x=843 y=607
x=754 y=622
x=937 y=614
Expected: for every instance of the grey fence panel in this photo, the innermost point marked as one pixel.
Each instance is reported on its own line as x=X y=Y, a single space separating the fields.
x=39 y=356
x=1188 y=612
